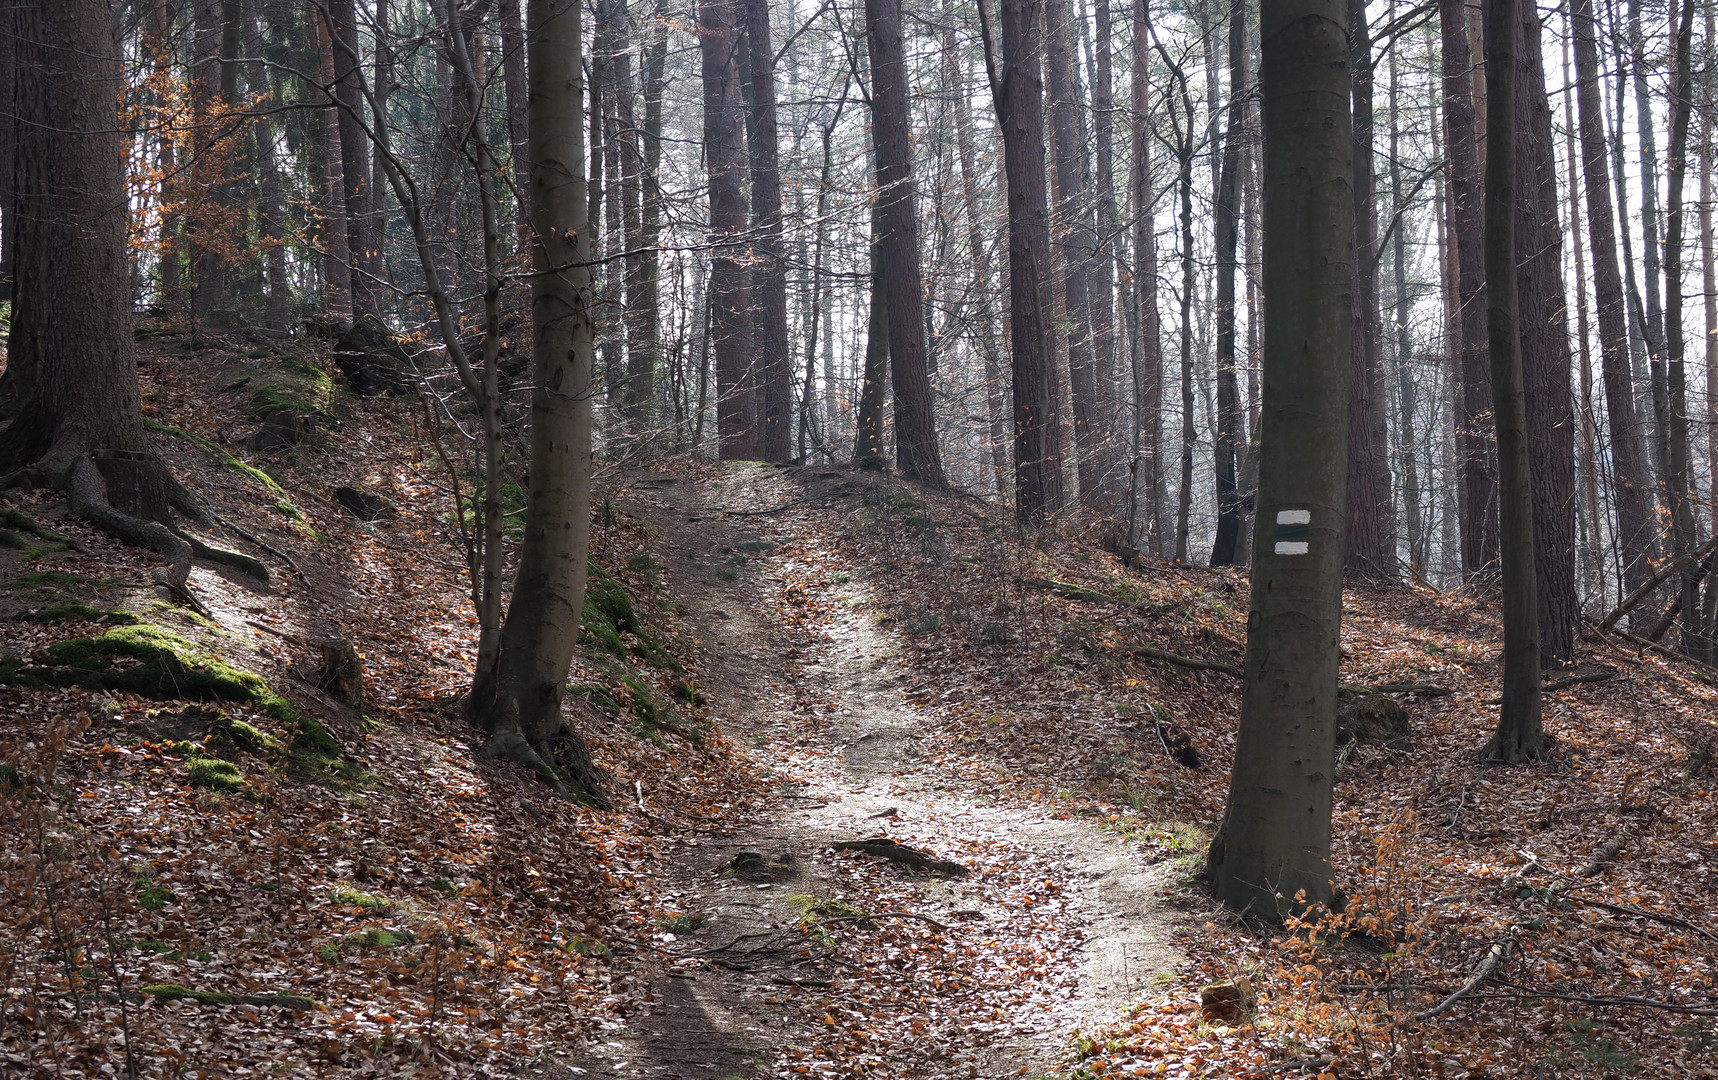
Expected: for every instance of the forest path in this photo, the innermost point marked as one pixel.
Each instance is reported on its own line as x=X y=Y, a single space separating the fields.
x=1057 y=927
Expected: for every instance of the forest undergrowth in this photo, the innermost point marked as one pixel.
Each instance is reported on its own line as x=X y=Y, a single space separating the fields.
x=203 y=885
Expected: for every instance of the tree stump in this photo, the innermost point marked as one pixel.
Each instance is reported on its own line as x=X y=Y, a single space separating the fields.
x=1233 y=1002
x=342 y=675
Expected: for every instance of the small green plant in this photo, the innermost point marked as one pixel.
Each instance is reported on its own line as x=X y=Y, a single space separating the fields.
x=347 y=895
x=681 y=923
x=154 y=896
x=445 y=887
x=727 y=575
x=216 y=775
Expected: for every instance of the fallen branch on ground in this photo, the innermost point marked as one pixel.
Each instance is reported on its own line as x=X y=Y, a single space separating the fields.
x=885 y=848
x=1495 y=956
x=1617 y=1002
x=1068 y=591
x=1182 y=661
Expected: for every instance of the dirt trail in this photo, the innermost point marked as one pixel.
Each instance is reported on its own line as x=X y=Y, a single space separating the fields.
x=860 y=772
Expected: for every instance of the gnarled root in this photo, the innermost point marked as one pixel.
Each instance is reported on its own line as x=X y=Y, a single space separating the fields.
x=88 y=494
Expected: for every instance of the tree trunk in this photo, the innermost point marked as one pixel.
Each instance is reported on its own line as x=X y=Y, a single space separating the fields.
x=207 y=163
x=336 y=250
x=729 y=312
x=1105 y=262
x=1071 y=235
x=1628 y=456
x=646 y=355
x=769 y=271
x=1696 y=636
x=1271 y=855
x=518 y=115
x=72 y=367
x=1371 y=531
x=978 y=257
x=1231 y=431
x=522 y=713
x=380 y=92
x=1408 y=467
x=1474 y=444
x=1592 y=544
x=915 y=420
x=1545 y=355
x=271 y=225
x=354 y=152
x=874 y=385
x=1519 y=734
x=1018 y=90
x=1148 y=331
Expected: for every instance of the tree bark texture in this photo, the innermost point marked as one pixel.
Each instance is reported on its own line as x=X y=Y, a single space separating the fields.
x=1519 y=734
x=1019 y=92
x=1271 y=855
x=1230 y=420
x=1475 y=444
x=523 y=714
x=730 y=329
x=1545 y=353
x=769 y=271
x=916 y=453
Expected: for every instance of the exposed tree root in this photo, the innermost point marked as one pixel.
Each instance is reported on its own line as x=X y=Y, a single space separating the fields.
x=883 y=847
x=88 y=493
x=1177 y=659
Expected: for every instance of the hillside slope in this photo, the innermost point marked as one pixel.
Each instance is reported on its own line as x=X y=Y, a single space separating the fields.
x=214 y=865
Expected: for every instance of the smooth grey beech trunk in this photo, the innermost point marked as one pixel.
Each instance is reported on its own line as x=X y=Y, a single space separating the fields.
x=1271 y=855
x=523 y=713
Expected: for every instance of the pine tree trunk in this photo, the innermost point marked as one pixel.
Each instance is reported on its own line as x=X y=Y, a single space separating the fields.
x=1071 y=234
x=1408 y=466
x=523 y=714
x=769 y=271
x=72 y=364
x=1371 y=531
x=1147 y=333
x=1105 y=262
x=978 y=257
x=1652 y=322
x=730 y=329
x=382 y=89
x=337 y=252
x=1545 y=354
x=916 y=454
x=1696 y=636
x=1018 y=89
x=874 y=384
x=646 y=356
x=1271 y=855
x=355 y=161
x=1519 y=734
x=1592 y=544
x=1474 y=443
x=1633 y=479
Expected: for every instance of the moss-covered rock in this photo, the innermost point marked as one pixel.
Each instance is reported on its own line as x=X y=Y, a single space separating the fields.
x=167 y=666
x=608 y=613
x=215 y=774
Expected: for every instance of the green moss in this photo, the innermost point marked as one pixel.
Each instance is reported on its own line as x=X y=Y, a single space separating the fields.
x=597 y=696
x=251 y=738
x=608 y=613
x=168 y=667
x=10 y=777
x=346 y=895
x=268 y=482
x=154 y=897
x=78 y=612
x=175 y=992
x=216 y=774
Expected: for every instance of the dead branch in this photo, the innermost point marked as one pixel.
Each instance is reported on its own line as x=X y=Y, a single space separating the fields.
x=1568 y=681
x=1663 y=574
x=1069 y=591
x=1195 y=663
x=1642 y=913
x=1420 y=688
x=1496 y=955
x=884 y=915
x=885 y=848
x=1615 y=1002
